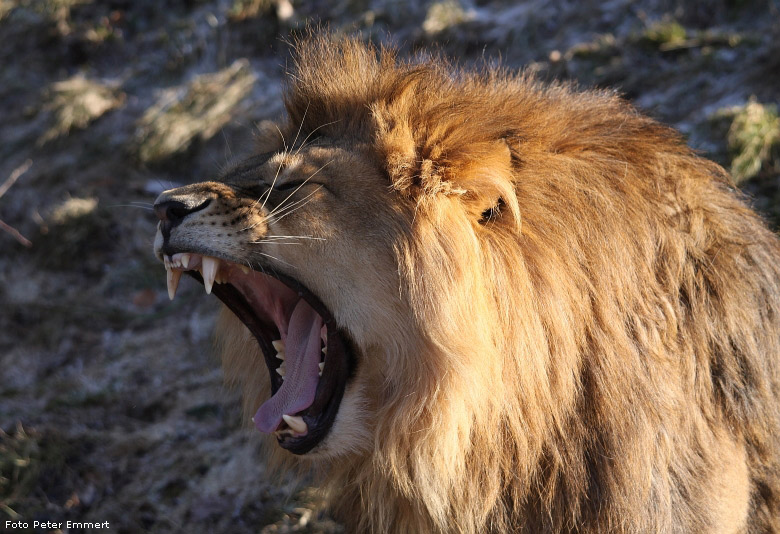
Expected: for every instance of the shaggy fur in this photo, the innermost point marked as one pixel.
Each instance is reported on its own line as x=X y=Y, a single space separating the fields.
x=577 y=325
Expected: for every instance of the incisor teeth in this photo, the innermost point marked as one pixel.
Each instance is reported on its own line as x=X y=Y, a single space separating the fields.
x=209 y=270
x=278 y=345
x=296 y=422
x=173 y=281
x=185 y=260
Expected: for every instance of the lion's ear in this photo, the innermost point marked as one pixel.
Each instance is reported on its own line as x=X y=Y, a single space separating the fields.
x=425 y=162
x=485 y=174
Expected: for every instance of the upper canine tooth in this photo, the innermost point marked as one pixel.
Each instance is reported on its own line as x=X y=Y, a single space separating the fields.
x=278 y=345
x=296 y=422
x=174 y=275
x=209 y=270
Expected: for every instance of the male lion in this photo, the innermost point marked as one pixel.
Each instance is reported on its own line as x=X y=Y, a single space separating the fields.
x=476 y=303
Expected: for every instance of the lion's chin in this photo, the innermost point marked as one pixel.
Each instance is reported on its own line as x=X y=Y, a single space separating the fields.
x=309 y=358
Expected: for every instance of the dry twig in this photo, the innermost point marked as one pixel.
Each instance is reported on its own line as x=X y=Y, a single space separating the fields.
x=20 y=170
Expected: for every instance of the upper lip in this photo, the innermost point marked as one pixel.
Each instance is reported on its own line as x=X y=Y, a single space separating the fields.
x=320 y=415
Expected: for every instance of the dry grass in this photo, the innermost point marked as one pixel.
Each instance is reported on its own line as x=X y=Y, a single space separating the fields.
x=754 y=139
x=76 y=102
x=19 y=467
x=198 y=112
x=444 y=15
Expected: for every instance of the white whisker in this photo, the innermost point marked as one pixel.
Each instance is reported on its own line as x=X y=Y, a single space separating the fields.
x=276 y=259
x=294 y=237
x=297 y=188
x=284 y=142
x=305 y=111
x=263 y=242
x=139 y=206
x=273 y=183
x=280 y=216
x=303 y=144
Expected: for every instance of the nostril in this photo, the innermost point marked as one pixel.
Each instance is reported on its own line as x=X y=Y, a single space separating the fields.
x=174 y=211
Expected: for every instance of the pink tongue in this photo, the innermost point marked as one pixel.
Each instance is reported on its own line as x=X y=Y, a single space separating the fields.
x=302 y=359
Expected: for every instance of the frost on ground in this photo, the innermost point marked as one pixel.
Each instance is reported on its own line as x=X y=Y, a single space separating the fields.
x=111 y=403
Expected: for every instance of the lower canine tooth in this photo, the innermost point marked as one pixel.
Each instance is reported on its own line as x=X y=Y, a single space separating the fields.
x=173 y=282
x=209 y=270
x=296 y=422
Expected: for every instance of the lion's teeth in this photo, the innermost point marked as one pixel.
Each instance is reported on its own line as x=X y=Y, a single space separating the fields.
x=280 y=355
x=325 y=350
x=322 y=367
x=244 y=269
x=180 y=260
x=296 y=422
x=173 y=281
x=209 y=270
x=280 y=370
x=278 y=345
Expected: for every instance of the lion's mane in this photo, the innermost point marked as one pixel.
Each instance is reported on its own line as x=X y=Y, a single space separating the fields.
x=595 y=310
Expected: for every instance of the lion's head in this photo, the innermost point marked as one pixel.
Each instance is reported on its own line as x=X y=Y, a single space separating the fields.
x=468 y=297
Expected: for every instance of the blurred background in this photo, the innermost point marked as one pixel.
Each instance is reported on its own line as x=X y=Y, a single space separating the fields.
x=111 y=402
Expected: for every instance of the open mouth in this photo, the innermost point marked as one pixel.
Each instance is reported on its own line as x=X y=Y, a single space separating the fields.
x=309 y=358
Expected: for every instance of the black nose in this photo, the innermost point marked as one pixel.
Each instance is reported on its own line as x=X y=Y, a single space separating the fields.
x=173 y=211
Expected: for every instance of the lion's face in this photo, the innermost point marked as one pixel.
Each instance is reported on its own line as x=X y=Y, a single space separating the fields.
x=297 y=252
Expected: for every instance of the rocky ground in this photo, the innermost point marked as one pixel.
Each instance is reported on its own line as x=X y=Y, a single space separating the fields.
x=111 y=403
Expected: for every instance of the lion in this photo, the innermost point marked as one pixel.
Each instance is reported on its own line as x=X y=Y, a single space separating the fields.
x=473 y=302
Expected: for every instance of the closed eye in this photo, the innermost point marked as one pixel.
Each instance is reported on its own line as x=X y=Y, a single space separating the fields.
x=287 y=186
